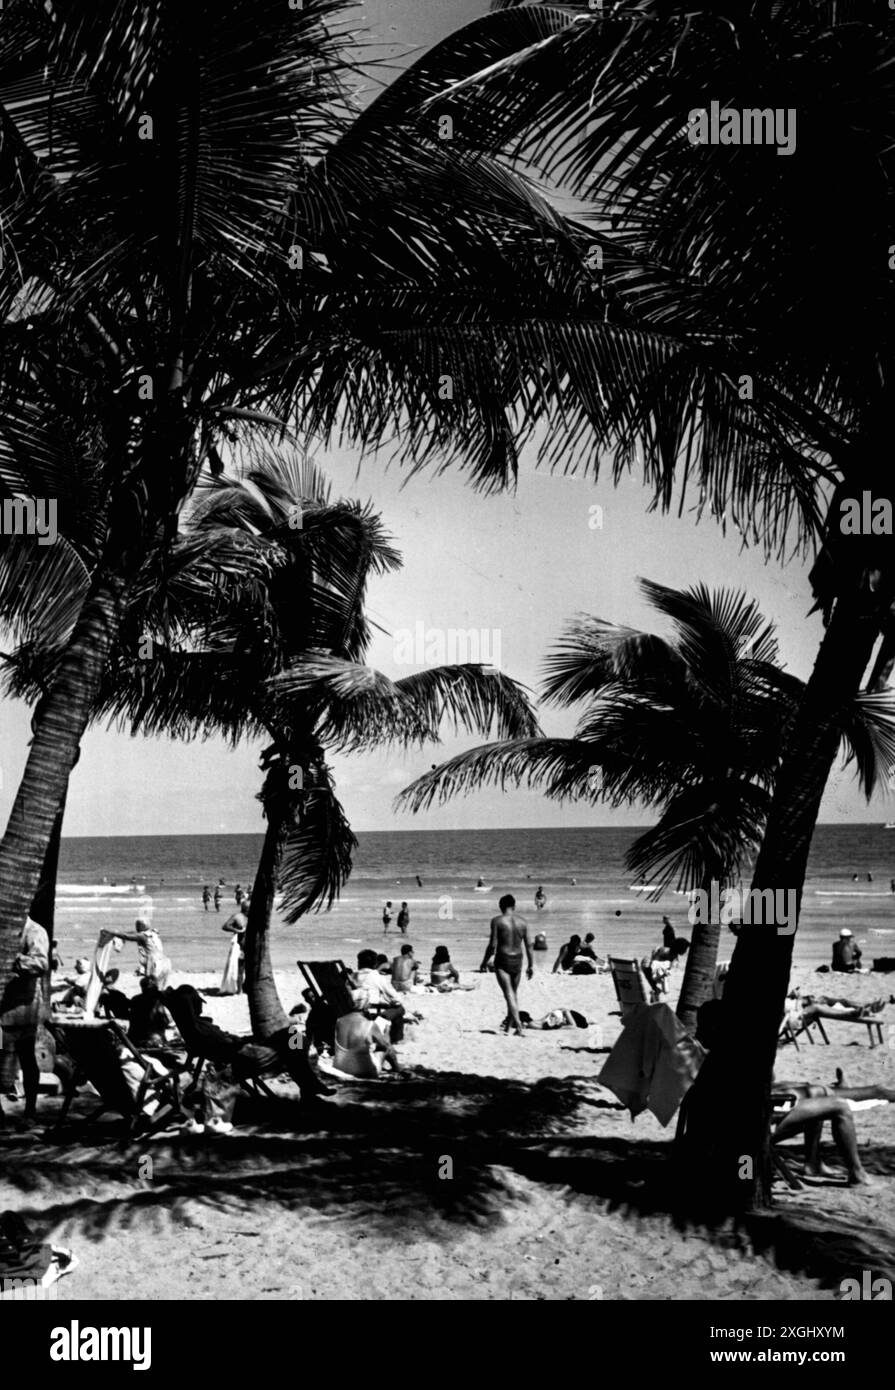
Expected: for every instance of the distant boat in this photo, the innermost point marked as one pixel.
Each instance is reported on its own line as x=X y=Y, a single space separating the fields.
x=889 y=825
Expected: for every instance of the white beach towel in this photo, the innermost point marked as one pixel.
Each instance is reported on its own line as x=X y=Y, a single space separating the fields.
x=101 y=957
x=230 y=977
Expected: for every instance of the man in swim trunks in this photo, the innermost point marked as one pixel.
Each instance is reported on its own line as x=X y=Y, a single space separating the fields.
x=509 y=934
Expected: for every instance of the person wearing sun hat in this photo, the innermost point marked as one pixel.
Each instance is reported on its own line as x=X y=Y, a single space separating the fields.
x=846 y=953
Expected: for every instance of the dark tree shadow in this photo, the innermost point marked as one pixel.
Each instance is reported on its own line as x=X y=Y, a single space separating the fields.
x=431 y=1152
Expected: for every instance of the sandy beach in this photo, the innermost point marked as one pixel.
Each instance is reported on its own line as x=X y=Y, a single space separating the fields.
x=491 y=1168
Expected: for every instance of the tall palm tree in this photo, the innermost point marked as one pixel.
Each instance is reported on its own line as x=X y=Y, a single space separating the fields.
x=258 y=629
x=695 y=726
x=201 y=239
x=724 y=247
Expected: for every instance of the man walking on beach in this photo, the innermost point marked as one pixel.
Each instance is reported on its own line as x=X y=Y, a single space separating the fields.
x=509 y=934
x=404 y=919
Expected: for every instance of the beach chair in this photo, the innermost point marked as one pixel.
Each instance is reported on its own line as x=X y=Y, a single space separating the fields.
x=789 y=1034
x=330 y=982
x=198 y=1052
x=872 y=1022
x=94 y=1047
x=781 y=1103
x=631 y=987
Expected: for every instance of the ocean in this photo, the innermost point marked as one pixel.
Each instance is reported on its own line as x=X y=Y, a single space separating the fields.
x=168 y=873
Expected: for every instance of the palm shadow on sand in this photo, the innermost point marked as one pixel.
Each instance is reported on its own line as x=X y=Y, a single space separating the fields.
x=491 y=1129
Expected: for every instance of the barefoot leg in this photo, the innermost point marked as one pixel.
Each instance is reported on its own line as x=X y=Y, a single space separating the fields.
x=508 y=984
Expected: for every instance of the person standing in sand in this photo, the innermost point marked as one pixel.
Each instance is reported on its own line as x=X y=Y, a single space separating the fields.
x=509 y=935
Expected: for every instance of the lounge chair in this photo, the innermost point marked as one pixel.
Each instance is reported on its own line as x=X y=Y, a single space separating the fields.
x=631 y=985
x=872 y=1022
x=201 y=1049
x=791 y=1034
x=781 y=1103
x=94 y=1047
x=330 y=982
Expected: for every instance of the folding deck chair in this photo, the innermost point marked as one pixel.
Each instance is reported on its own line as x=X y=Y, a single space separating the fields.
x=198 y=1053
x=789 y=1034
x=330 y=982
x=781 y=1102
x=631 y=986
x=95 y=1047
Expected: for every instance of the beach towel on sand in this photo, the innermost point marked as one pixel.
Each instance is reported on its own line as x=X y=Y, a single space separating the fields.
x=654 y=1062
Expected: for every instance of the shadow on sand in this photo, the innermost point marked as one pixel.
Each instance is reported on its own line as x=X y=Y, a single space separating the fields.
x=403 y=1130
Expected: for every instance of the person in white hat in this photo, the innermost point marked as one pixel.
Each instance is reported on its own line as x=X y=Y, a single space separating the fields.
x=846 y=953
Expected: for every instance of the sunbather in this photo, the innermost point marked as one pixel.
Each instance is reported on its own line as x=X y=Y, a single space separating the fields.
x=805 y=1009
x=363 y=1046
x=556 y=1018
x=802 y=1108
x=245 y=1055
x=404 y=970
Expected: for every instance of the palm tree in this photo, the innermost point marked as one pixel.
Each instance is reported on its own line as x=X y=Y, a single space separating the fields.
x=780 y=401
x=695 y=726
x=276 y=650
x=201 y=240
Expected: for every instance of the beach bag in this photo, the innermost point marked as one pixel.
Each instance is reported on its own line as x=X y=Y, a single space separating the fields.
x=22 y=1254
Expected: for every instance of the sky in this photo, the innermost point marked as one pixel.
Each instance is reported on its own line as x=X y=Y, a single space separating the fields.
x=519 y=565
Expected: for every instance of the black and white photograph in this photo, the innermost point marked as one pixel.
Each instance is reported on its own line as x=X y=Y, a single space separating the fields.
x=447 y=634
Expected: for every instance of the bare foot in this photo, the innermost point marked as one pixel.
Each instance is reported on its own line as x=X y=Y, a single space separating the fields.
x=822 y=1171
x=861 y=1178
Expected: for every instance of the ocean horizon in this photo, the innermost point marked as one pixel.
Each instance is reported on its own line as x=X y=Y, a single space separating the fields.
x=107 y=881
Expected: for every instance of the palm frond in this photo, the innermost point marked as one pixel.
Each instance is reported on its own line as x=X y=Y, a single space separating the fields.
x=868 y=735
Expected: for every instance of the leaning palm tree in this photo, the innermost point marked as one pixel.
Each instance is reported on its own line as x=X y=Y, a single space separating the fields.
x=780 y=401
x=199 y=237
x=694 y=726
x=278 y=652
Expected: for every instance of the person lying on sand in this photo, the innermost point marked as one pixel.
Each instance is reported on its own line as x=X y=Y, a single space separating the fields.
x=556 y=1018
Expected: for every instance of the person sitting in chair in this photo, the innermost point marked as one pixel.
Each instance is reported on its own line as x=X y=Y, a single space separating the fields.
x=800 y=1108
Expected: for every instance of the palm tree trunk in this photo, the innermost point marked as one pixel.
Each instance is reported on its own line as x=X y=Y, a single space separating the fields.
x=43 y=904
x=728 y=1139
x=265 y=1009
x=63 y=716
x=702 y=958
